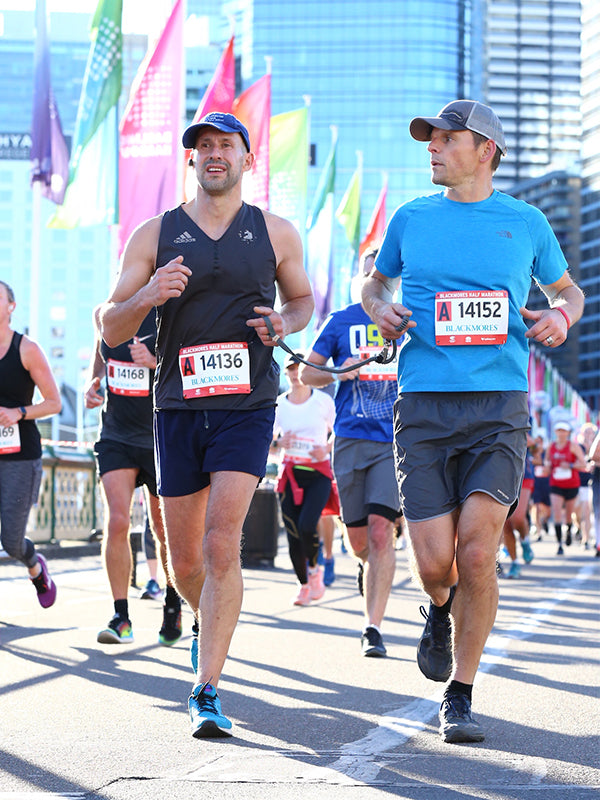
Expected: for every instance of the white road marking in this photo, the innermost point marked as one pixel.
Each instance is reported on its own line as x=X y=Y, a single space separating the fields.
x=361 y=761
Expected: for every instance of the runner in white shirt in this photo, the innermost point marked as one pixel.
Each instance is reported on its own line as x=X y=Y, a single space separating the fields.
x=303 y=424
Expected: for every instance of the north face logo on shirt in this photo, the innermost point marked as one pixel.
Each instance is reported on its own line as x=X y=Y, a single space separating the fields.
x=184 y=238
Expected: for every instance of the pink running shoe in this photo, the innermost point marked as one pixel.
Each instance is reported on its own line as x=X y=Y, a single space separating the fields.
x=44 y=585
x=316 y=585
x=303 y=597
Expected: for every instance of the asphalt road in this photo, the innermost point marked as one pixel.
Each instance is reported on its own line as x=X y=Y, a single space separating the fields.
x=312 y=718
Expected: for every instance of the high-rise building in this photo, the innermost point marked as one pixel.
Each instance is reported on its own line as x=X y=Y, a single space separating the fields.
x=368 y=68
x=589 y=327
x=558 y=195
x=532 y=80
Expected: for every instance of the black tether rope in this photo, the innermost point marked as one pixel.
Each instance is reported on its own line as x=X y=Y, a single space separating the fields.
x=380 y=358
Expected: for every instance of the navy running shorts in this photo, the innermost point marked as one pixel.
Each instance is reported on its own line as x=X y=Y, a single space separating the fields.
x=448 y=446
x=190 y=444
x=112 y=455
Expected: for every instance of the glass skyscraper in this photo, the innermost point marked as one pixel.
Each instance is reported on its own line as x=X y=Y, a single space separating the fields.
x=368 y=68
x=533 y=78
x=589 y=327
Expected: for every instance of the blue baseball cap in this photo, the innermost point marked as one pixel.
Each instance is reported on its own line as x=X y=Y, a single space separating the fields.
x=226 y=123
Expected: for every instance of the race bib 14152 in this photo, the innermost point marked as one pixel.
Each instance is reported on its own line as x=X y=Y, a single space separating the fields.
x=471 y=317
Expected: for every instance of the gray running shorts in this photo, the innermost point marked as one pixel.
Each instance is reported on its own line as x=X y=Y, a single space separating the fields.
x=364 y=472
x=448 y=446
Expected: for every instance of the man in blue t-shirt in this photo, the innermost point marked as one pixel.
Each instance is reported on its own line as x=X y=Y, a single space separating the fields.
x=363 y=459
x=465 y=258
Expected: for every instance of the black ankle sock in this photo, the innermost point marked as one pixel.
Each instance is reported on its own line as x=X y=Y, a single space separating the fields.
x=122 y=609
x=444 y=610
x=172 y=599
x=558 y=529
x=456 y=687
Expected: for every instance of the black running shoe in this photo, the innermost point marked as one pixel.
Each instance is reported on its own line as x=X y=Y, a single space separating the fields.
x=171 y=630
x=456 y=722
x=434 y=652
x=360 y=578
x=569 y=538
x=372 y=643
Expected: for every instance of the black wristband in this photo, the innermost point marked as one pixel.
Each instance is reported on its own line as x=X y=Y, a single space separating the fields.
x=23 y=411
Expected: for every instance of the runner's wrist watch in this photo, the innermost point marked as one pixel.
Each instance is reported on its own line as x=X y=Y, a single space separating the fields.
x=23 y=411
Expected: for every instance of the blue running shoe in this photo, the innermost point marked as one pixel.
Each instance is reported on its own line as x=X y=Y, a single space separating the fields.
x=194 y=647
x=205 y=713
x=151 y=591
x=527 y=552
x=328 y=571
x=514 y=571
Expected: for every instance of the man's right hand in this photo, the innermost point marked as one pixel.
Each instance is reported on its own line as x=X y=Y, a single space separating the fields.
x=389 y=317
x=168 y=281
x=350 y=376
x=92 y=397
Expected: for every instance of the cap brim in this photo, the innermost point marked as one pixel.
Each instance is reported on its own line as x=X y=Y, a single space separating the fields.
x=191 y=134
x=420 y=127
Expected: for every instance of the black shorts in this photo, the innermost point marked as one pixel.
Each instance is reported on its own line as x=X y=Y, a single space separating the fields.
x=111 y=455
x=569 y=493
x=449 y=446
x=191 y=444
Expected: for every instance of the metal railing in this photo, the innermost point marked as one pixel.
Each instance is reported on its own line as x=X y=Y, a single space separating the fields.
x=70 y=502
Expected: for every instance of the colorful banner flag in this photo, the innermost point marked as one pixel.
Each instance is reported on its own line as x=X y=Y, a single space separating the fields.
x=319 y=237
x=149 y=144
x=219 y=96
x=376 y=226
x=288 y=166
x=348 y=211
x=253 y=108
x=91 y=196
x=49 y=151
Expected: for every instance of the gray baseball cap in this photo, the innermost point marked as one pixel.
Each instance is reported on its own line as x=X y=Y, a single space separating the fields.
x=461 y=115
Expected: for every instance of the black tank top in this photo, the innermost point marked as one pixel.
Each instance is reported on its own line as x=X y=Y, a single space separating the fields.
x=229 y=277
x=16 y=389
x=127 y=417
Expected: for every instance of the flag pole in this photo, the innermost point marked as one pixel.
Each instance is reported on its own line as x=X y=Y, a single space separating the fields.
x=34 y=289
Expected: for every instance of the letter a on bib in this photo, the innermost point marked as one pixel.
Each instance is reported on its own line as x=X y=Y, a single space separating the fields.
x=443 y=312
x=187 y=366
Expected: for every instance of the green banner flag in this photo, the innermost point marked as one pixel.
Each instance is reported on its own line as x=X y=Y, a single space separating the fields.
x=92 y=190
x=288 y=166
x=348 y=212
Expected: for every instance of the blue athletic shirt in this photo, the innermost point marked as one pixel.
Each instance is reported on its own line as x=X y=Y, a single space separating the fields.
x=439 y=245
x=363 y=409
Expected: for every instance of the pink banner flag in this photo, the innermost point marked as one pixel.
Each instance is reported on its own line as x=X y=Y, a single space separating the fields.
x=219 y=96
x=253 y=108
x=149 y=132
x=376 y=226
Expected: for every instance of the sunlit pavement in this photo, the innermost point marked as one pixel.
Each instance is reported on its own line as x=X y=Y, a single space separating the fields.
x=312 y=717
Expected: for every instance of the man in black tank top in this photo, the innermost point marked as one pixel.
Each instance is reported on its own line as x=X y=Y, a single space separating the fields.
x=125 y=459
x=211 y=268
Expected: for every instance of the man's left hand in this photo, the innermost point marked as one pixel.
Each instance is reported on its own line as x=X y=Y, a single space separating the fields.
x=261 y=328
x=549 y=328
